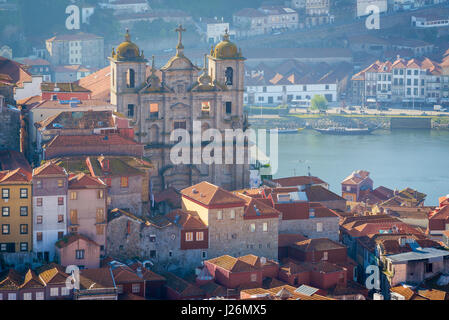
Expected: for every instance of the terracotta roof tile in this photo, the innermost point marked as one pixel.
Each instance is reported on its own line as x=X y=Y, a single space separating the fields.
x=82 y=180
x=49 y=169
x=211 y=195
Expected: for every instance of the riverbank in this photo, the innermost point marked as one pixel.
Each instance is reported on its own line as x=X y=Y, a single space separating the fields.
x=351 y=121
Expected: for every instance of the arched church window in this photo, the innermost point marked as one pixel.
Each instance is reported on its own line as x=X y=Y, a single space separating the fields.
x=131 y=78
x=229 y=75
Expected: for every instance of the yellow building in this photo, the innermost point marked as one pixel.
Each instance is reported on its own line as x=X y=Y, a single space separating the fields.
x=16 y=211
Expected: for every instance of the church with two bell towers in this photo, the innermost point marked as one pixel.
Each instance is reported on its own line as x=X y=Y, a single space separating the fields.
x=159 y=101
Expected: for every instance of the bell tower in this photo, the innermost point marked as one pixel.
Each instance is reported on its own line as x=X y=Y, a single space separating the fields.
x=227 y=69
x=128 y=75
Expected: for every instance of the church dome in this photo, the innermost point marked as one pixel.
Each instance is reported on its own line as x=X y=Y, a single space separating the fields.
x=226 y=49
x=128 y=51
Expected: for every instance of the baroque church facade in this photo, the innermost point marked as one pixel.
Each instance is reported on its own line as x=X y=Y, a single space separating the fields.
x=173 y=97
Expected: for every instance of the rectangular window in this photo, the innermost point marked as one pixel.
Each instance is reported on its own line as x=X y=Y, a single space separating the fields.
x=232 y=214
x=180 y=125
x=229 y=107
x=252 y=227
x=253 y=277
x=154 y=111
x=100 y=230
x=12 y=296
x=23 y=211
x=5 y=212
x=153 y=254
x=199 y=236
x=100 y=215
x=40 y=295
x=100 y=194
x=5 y=229
x=189 y=236
x=60 y=201
x=319 y=227
x=136 y=288
x=39 y=184
x=5 y=193
x=152 y=238
x=24 y=246
x=39 y=236
x=60 y=235
x=325 y=255
x=39 y=219
x=39 y=202
x=220 y=215
x=204 y=254
x=60 y=218
x=205 y=108
x=54 y=292
x=429 y=268
x=73 y=216
x=124 y=182
x=65 y=291
x=23 y=193
x=60 y=183
x=265 y=227
x=130 y=111
x=79 y=254
x=73 y=195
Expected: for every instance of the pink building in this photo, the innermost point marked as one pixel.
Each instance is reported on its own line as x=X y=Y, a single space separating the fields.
x=87 y=207
x=79 y=250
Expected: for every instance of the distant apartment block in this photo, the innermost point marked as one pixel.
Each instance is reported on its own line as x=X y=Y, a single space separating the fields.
x=265 y=20
x=76 y=49
x=126 y=6
x=407 y=81
x=429 y=21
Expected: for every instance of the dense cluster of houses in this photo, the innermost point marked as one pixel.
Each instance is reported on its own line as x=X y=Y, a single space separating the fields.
x=292 y=238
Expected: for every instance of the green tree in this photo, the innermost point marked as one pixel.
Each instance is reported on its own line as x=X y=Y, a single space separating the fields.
x=318 y=102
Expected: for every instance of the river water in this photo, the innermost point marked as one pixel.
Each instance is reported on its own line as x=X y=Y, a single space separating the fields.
x=396 y=159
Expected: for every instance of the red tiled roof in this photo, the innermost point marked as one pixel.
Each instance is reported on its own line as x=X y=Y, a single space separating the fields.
x=242 y=264
x=71 y=238
x=83 y=180
x=18 y=176
x=211 y=195
x=187 y=220
x=49 y=169
x=320 y=244
x=298 y=181
x=16 y=71
x=31 y=281
x=254 y=208
x=89 y=140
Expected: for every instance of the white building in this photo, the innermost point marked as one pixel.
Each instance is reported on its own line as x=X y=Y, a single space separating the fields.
x=49 y=209
x=294 y=82
x=126 y=6
x=430 y=21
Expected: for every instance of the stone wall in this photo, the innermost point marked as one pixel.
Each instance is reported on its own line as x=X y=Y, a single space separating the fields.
x=10 y=130
x=163 y=250
x=308 y=227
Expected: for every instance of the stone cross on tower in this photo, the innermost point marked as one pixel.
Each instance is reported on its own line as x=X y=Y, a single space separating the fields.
x=226 y=35
x=179 y=47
